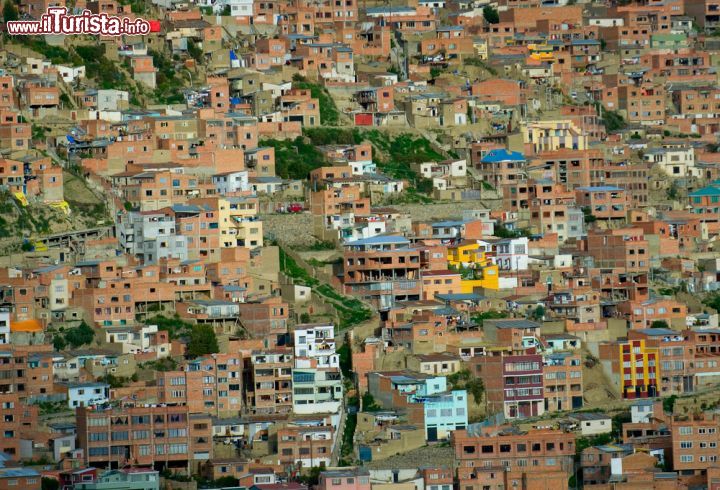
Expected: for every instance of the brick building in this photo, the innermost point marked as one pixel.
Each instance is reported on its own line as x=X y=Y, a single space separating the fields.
x=499 y=457
x=169 y=436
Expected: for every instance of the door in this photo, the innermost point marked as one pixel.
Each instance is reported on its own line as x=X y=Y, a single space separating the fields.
x=432 y=434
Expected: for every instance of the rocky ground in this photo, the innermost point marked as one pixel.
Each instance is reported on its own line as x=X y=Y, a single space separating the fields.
x=295 y=230
x=440 y=455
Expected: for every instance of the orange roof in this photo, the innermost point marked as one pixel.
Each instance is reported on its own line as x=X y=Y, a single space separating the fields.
x=26 y=326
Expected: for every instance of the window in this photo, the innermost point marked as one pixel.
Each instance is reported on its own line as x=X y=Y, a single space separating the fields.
x=685 y=431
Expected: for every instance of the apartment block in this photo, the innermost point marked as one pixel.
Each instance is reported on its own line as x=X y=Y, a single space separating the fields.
x=269 y=386
x=160 y=436
x=308 y=443
x=382 y=269
x=211 y=384
x=634 y=366
x=499 y=457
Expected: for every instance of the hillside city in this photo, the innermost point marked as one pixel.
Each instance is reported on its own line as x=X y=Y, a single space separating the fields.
x=387 y=245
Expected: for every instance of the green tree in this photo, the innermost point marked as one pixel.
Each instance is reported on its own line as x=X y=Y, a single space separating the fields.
x=476 y=388
x=113 y=381
x=227 y=481
x=538 y=313
x=312 y=477
x=49 y=484
x=195 y=51
x=369 y=404
x=10 y=11
x=81 y=335
x=659 y=324
x=491 y=14
x=613 y=120
x=464 y=380
x=488 y=315
x=59 y=342
x=345 y=354
x=669 y=403
x=202 y=341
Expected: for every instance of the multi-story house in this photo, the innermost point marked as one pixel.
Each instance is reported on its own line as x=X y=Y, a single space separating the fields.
x=316 y=343
x=633 y=366
x=4 y=326
x=151 y=236
x=264 y=317
x=501 y=167
x=642 y=314
x=382 y=269
x=306 y=443
x=595 y=462
x=211 y=384
x=424 y=397
x=542 y=136
x=695 y=440
x=316 y=390
x=676 y=161
x=26 y=371
x=269 y=386
x=17 y=417
x=165 y=436
x=503 y=457
x=562 y=381
x=514 y=383
x=604 y=202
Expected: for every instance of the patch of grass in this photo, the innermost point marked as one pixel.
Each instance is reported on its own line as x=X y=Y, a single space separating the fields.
x=350 y=311
x=99 y=67
x=290 y=268
x=294 y=159
x=401 y=151
x=322 y=245
x=329 y=114
x=164 y=364
x=347 y=449
x=169 y=85
x=56 y=54
x=480 y=63
x=488 y=315
x=333 y=136
x=48 y=408
x=175 y=326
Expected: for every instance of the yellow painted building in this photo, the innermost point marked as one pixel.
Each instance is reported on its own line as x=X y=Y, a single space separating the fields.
x=239 y=223
x=635 y=365
x=541 y=52
x=554 y=135
x=471 y=255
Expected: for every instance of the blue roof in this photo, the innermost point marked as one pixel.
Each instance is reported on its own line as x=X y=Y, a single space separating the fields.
x=449 y=223
x=497 y=156
x=185 y=208
x=585 y=42
x=389 y=10
x=710 y=190
x=18 y=472
x=600 y=188
x=379 y=240
x=658 y=332
x=459 y=297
